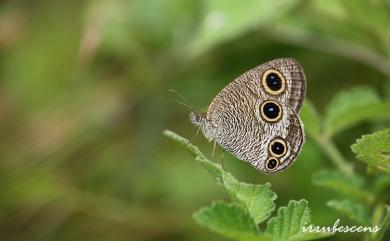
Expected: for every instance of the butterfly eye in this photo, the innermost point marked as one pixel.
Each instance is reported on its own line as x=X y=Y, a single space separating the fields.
x=271 y=111
x=273 y=82
x=271 y=164
x=278 y=147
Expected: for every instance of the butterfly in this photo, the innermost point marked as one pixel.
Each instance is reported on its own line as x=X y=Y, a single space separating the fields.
x=255 y=117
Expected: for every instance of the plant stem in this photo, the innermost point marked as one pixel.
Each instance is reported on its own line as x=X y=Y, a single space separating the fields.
x=377 y=220
x=330 y=44
x=334 y=154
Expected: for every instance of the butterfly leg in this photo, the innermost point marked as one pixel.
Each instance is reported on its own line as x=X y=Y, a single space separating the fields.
x=213 y=152
x=192 y=138
x=222 y=158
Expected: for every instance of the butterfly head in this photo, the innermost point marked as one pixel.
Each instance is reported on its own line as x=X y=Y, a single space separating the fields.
x=197 y=118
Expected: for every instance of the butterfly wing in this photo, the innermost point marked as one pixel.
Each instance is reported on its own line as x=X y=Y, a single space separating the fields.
x=282 y=80
x=257 y=111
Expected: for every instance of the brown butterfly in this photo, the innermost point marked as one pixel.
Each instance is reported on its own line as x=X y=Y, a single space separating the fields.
x=255 y=117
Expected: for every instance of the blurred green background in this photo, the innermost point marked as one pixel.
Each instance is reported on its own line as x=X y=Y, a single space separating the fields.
x=84 y=99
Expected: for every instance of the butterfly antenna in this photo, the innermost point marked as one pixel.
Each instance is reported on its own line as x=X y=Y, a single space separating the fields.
x=185 y=103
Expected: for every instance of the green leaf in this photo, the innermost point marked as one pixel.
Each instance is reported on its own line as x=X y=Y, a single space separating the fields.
x=184 y=142
x=156 y=24
x=257 y=199
x=288 y=224
x=351 y=107
x=352 y=209
x=254 y=205
x=311 y=119
x=374 y=149
x=348 y=185
x=224 y=20
x=230 y=220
